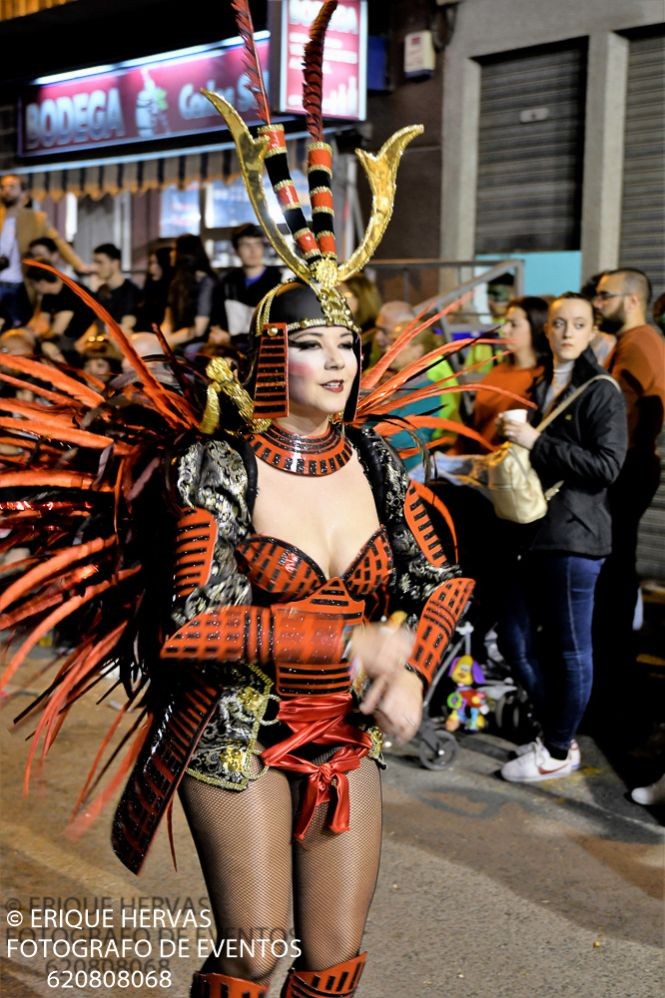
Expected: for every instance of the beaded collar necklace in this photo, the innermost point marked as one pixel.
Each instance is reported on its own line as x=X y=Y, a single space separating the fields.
x=311 y=456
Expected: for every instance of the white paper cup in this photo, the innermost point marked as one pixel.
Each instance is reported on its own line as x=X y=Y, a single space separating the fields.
x=519 y=415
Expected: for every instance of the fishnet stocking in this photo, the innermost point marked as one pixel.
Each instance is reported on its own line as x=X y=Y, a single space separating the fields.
x=249 y=862
x=243 y=839
x=335 y=875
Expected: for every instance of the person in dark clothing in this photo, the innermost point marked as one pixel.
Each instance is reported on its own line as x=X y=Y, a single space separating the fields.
x=240 y=290
x=65 y=317
x=190 y=294
x=582 y=449
x=638 y=364
x=154 y=299
x=20 y=226
x=45 y=250
x=119 y=296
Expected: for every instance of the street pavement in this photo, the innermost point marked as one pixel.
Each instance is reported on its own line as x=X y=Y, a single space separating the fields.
x=486 y=888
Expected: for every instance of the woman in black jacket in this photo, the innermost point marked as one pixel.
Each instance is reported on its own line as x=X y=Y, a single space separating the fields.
x=583 y=448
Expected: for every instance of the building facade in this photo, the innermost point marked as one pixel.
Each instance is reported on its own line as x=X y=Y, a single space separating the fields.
x=553 y=134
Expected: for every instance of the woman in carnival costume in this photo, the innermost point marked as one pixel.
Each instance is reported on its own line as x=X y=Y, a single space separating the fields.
x=263 y=698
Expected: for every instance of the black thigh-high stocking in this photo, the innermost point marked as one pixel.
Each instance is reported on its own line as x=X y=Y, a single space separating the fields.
x=243 y=839
x=335 y=875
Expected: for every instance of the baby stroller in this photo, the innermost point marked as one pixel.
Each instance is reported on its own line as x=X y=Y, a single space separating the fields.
x=466 y=696
x=472 y=689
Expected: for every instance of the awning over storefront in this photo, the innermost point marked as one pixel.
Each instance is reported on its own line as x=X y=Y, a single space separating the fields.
x=95 y=179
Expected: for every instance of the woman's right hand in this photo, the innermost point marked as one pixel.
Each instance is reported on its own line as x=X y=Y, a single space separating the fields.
x=516 y=432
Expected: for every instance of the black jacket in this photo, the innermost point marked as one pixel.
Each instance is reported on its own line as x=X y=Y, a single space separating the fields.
x=585 y=446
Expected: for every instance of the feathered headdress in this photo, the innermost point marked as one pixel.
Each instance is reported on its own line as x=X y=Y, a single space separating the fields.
x=80 y=462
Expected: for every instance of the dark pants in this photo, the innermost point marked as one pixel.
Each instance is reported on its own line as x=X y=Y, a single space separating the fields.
x=546 y=638
x=15 y=307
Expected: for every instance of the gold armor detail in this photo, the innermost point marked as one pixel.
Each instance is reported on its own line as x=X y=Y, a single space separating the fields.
x=376 y=737
x=222 y=379
x=252 y=700
x=233 y=758
x=325 y=273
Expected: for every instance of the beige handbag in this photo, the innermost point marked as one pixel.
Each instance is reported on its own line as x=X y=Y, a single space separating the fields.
x=509 y=480
x=514 y=487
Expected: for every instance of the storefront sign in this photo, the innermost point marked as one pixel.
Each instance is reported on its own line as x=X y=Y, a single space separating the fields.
x=345 y=56
x=154 y=101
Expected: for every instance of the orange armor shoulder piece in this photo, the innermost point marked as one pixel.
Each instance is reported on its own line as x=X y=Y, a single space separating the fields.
x=437 y=623
x=196 y=535
x=420 y=525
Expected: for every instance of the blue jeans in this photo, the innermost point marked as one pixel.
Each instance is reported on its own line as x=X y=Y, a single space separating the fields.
x=546 y=638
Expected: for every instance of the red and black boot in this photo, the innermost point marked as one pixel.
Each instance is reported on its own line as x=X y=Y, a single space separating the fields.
x=339 y=981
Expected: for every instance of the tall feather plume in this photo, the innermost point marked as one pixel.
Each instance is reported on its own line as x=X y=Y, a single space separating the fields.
x=252 y=62
x=313 y=70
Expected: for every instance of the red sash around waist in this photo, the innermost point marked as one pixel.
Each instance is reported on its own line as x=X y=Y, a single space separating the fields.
x=321 y=721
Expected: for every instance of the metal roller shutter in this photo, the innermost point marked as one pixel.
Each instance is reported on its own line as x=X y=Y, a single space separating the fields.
x=643 y=206
x=530 y=150
x=643 y=229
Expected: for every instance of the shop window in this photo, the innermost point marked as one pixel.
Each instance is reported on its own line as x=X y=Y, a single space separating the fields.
x=180 y=211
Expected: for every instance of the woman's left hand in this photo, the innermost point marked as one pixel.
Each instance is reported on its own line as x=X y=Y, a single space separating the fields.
x=518 y=433
x=396 y=700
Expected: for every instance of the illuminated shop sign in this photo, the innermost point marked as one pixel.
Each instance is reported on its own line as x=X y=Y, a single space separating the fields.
x=161 y=97
x=345 y=56
x=155 y=100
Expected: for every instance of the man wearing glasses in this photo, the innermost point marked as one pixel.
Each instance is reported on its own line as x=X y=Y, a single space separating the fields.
x=638 y=364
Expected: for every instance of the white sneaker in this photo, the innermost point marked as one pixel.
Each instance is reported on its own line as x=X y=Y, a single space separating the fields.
x=573 y=752
x=653 y=794
x=536 y=765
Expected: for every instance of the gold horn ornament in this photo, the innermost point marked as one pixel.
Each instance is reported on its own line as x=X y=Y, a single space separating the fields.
x=381 y=171
x=380 y=168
